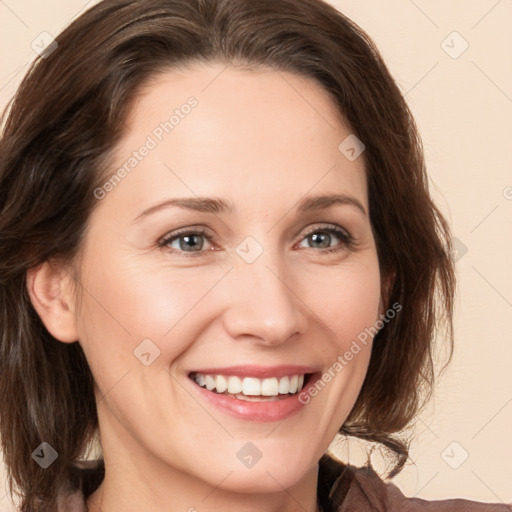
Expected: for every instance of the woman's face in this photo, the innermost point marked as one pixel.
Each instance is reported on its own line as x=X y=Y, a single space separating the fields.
x=248 y=292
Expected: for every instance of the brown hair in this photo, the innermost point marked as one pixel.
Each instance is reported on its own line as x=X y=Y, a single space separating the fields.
x=59 y=133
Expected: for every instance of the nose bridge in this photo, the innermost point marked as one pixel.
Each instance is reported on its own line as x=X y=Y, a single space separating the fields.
x=264 y=303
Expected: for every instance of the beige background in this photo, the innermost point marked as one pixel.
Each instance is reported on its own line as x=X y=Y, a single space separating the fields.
x=463 y=107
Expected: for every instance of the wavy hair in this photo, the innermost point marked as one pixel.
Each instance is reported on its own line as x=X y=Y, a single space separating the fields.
x=58 y=136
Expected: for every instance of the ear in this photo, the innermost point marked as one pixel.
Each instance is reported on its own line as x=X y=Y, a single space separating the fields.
x=387 y=282
x=50 y=291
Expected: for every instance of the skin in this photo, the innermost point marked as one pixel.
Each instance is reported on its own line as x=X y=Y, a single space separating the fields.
x=263 y=140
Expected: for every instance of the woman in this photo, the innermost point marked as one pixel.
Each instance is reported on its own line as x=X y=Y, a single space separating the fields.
x=166 y=171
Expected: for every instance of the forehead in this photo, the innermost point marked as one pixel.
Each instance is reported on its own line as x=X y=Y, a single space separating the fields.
x=213 y=129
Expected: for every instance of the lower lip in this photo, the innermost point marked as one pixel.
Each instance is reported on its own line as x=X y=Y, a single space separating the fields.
x=264 y=411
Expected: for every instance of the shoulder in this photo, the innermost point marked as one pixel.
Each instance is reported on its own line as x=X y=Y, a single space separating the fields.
x=363 y=490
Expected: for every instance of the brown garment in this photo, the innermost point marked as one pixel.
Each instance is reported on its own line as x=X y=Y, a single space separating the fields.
x=341 y=488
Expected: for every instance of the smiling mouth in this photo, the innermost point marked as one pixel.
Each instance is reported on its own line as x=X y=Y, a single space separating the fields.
x=252 y=389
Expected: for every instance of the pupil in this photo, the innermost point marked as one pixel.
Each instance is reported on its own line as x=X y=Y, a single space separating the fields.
x=315 y=235
x=190 y=239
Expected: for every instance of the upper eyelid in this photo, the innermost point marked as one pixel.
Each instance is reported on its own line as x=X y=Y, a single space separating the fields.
x=327 y=226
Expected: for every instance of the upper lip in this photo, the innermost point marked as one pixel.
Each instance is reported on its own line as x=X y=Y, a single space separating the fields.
x=260 y=372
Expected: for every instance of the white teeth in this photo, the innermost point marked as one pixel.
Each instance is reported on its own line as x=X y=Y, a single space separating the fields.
x=284 y=385
x=251 y=386
x=210 y=382
x=234 y=385
x=293 y=384
x=270 y=387
x=222 y=384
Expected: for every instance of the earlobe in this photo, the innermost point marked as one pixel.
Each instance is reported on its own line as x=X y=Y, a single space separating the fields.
x=50 y=292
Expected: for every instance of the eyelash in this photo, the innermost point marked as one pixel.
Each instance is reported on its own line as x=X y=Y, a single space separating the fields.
x=344 y=236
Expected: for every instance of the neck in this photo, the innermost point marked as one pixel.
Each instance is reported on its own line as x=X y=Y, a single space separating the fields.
x=184 y=493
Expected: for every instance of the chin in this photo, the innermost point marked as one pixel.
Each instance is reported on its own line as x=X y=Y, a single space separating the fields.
x=265 y=476
x=252 y=481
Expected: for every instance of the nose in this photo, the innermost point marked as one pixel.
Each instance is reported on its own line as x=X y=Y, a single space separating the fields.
x=264 y=302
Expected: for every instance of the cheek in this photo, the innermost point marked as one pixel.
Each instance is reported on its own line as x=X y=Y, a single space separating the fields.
x=347 y=300
x=125 y=304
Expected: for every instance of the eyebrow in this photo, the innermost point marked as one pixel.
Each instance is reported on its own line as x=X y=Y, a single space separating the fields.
x=217 y=205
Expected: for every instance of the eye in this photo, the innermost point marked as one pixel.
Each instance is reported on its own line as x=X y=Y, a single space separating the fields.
x=189 y=242
x=187 y=239
x=323 y=236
